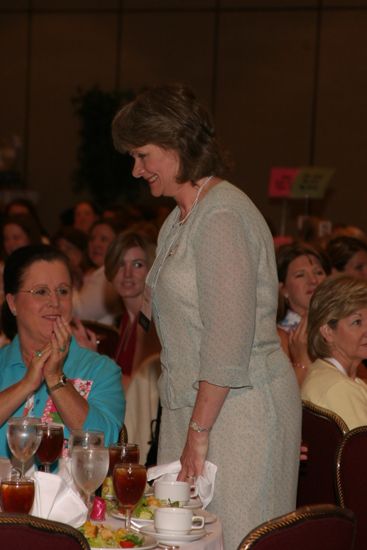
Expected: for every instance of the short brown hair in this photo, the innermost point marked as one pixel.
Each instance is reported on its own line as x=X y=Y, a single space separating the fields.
x=289 y=252
x=333 y=300
x=284 y=256
x=123 y=242
x=171 y=117
x=341 y=249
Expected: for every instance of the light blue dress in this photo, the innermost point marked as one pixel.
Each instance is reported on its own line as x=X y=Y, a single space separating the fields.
x=215 y=292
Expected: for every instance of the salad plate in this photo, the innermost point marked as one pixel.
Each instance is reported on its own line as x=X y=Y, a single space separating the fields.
x=173 y=538
x=105 y=536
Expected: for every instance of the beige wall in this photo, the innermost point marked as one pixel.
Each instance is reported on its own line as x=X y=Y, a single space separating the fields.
x=285 y=80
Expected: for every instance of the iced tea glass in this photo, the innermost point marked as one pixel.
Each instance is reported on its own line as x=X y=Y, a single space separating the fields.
x=17 y=495
x=51 y=445
x=130 y=453
x=129 y=482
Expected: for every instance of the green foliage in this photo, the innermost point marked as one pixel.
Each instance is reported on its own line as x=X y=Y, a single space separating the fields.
x=104 y=172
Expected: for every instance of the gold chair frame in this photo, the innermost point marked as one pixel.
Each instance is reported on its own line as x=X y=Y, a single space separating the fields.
x=321 y=411
x=123 y=436
x=45 y=525
x=339 y=489
x=316 y=511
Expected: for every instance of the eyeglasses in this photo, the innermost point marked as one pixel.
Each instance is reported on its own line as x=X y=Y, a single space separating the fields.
x=43 y=293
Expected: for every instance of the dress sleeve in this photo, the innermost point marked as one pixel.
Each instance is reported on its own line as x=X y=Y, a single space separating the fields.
x=106 y=400
x=226 y=270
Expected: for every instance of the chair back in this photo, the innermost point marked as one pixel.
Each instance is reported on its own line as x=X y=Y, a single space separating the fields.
x=107 y=337
x=31 y=533
x=142 y=401
x=318 y=527
x=322 y=432
x=351 y=482
x=123 y=436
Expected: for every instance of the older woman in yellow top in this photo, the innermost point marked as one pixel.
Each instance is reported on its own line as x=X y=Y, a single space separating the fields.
x=337 y=342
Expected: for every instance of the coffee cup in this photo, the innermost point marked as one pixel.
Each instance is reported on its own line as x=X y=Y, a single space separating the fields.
x=172 y=491
x=179 y=521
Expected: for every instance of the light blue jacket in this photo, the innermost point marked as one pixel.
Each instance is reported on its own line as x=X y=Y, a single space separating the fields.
x=94 y=372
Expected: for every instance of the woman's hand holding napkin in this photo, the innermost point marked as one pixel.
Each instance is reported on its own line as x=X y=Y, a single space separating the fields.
x=204 y=483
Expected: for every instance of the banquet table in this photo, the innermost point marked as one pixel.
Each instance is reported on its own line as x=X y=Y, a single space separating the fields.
x=212 y=541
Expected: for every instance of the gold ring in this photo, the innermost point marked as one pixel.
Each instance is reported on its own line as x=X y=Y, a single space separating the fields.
x=38 y=353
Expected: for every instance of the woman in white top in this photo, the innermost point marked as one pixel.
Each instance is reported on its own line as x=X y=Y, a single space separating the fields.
x=337 y=342
x=301 y=268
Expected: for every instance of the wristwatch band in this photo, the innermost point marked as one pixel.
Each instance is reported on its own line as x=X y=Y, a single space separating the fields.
x=197 y=428
x=61 y=383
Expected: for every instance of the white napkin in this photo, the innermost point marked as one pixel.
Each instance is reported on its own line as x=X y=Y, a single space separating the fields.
x=56 y=500
x=5 y=468
x=204 y=483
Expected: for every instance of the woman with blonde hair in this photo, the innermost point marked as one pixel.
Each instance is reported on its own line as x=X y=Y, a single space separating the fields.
x=127 y=263
x=337 y=343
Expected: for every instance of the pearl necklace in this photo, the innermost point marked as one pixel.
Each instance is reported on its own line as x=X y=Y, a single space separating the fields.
x=196 y=200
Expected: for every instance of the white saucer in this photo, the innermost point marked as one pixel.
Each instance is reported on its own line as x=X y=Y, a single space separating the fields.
x=174 y=538
x=140 y=522
x=193 y=503
x=208 y=516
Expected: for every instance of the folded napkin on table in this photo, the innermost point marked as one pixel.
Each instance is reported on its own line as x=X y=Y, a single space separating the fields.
x=204 y=483
x=58 y=501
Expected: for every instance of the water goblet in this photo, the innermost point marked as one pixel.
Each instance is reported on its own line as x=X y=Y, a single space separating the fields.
x=89 y=467
x=24 y=436
x=51 y=445
x=85 y=439
x=129 y=482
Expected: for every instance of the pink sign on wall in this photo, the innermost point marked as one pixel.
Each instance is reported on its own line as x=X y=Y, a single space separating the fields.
x=281 y=181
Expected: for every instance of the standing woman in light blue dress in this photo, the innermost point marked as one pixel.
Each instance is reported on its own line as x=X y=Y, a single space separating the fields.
x=227 y=390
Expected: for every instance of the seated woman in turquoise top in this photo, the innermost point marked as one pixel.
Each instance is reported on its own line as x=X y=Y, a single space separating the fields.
x=43 y=371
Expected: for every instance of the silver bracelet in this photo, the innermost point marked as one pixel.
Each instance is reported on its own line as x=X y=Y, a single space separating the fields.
x=197 y=428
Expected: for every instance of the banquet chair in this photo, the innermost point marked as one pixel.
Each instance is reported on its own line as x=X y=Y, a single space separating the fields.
x=142 y=402
x=317 y=527
x=107 y=337
x=18 y=531
x=351 y=480
x=322 y=432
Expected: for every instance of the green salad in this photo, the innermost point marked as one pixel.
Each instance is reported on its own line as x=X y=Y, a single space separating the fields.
x=102 y=536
